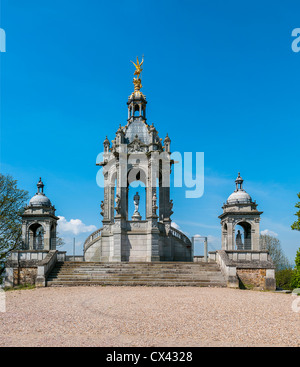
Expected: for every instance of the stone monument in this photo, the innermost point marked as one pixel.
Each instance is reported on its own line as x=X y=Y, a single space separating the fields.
x=243 y=262
x=137 y=154
x=31 y=263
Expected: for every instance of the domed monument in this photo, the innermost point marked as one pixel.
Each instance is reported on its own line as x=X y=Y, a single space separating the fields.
x=39 y=222
x=137 y=154
x=242 y=260
x=240 y=210
x=137 y=243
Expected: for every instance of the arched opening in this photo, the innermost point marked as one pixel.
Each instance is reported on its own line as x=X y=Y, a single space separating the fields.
x=136 y=110
x=136 y=194
x=137 y=201
x=243 y=236
x=36 y=236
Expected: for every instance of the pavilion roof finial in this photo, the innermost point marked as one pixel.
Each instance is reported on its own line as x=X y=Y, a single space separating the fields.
x=40 y=186
x=239 y=182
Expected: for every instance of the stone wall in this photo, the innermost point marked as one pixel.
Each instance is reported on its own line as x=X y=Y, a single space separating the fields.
x=30 y=267
x=24 y=276
x=137 y=245
x=246 y=269
x=252 y=278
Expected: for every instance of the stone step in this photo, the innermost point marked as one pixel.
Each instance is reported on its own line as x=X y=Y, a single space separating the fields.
x=148 y=264
x=142 y=279
x=142 y=271
x=127 y=273
x=108 y=268
x=69 y=283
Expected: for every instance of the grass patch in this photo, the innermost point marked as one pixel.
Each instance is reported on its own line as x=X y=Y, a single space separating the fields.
x=19 y=287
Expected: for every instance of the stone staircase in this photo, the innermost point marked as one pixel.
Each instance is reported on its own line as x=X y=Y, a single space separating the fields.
x=73 y=273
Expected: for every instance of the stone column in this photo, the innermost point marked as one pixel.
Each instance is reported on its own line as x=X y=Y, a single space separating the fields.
x=152 y=241
x=116 y=247
x=230 y=236
x=224 y=237
x=25 y=237
x=47 y=236
x=255 y=245
x=30 y=239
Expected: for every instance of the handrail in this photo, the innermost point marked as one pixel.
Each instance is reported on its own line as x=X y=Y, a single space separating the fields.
x=177 y=233
x=92 y=238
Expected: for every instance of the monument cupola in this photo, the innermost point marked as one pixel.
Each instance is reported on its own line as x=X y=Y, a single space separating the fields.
x=240 y=220
x=40 y=199
x=39 y=222
x=239 y=196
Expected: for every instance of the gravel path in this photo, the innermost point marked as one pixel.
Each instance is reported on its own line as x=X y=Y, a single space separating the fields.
x=146 y=316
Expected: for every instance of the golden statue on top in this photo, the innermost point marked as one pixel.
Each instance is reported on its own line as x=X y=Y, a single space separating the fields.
x=138 y=67
x=138 y=70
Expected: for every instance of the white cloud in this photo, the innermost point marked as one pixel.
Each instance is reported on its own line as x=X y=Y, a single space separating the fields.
x=75 y=226
x=269 y=233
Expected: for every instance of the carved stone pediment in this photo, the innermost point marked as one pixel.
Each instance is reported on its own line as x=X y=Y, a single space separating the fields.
x=137 y=146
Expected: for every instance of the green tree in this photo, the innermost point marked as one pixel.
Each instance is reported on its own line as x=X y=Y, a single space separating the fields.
x=296 y=274
x=273 y=246
x=12 y=201
x=296 y=224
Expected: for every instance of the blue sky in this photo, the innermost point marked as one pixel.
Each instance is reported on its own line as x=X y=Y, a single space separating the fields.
x=220 y=78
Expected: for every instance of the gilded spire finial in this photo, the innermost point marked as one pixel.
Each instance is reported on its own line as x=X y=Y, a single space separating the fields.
x=138 y=70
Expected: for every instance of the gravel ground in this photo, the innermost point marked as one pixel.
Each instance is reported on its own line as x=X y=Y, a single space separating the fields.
x=148 y=316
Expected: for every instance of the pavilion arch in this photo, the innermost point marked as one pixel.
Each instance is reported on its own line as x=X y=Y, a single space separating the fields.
x=36 y=232
x=246 y=242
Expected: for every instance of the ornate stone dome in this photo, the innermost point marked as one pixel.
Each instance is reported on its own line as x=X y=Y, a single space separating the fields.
x=240 y=196
x=40 y=199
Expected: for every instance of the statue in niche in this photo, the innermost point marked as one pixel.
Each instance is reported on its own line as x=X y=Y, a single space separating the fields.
x=239 y=242
x=154 y=201
x=118 y=204
x=136 y=201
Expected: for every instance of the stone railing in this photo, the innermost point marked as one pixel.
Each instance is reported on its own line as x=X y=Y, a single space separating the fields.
x=248 y=256
x=92 y=238
x=228 y=269
x=181 y=236
x=45 y=267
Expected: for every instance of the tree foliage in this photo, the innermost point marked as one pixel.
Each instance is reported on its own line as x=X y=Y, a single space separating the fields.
x=12 y=201
x=296 y=224
x=273 y=246
x=296 y=275
x=284 y=279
